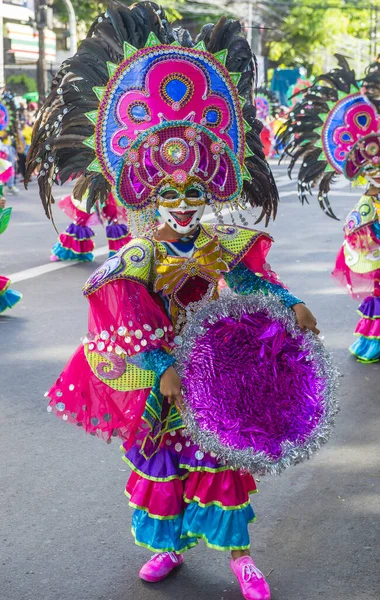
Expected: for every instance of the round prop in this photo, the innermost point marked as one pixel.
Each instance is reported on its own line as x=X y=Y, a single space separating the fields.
x=258 y=391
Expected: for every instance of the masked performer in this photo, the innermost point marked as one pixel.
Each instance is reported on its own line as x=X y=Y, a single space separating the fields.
x=8 y=297
x=75 y=242
x=334 y=130
x=170 y=125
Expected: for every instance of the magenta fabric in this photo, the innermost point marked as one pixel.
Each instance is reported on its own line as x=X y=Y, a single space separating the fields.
x=123 y=303
x=368 y=328
x=82 y=399
x=255 y=260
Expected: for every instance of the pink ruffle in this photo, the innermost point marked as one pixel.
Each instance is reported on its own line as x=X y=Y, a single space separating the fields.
x=79 y=397
x=162 y=499
x=225 y=488
x=80 y=217
x=79 y=246
x=369 y=328
x=255 y=260
x=4 y=283
x=115 y=245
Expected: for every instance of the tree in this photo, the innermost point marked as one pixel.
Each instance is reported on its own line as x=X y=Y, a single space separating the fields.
x=87 y=10
x=302 y=32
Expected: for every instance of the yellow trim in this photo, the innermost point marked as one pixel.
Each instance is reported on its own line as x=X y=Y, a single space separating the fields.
x=368 y=337
x=205 y=469
x=152 y=516
x=202 y=536
x=365 y=316
x=362 y=359
x=196 y=500
x=159 y=550
x=149 y=477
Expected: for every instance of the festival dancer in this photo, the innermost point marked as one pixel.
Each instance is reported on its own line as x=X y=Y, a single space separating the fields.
x=171 y=126
x=8 y=297
x=267 y=109
x=334 y=130
x=75 y=242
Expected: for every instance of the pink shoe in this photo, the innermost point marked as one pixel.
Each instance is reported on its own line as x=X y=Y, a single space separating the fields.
x=54 y=258
x=160 y=565
x=252 y=582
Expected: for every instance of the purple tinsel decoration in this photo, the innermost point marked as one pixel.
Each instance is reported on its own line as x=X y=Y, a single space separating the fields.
x=259 y=392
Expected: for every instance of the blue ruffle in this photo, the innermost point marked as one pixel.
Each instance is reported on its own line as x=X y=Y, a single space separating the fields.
x=159 y=535
x=8 y=299
x=366 y=350
x=220 y=529
x=67 y=254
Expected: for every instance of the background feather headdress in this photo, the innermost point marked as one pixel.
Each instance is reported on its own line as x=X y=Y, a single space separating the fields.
x=334 y=114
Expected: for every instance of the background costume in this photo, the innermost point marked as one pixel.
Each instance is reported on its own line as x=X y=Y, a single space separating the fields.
x=334 y=130
x=8 y=296
x=75 y=243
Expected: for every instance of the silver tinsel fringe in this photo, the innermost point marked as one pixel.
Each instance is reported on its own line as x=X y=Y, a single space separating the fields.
x=292 y=453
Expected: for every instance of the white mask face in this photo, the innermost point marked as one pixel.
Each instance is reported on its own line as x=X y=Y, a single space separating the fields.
x=182 y=210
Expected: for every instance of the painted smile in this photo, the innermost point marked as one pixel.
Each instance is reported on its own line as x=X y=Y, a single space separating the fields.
x=183 y=218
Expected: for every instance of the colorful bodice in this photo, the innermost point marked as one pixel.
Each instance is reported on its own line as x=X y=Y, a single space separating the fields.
x=181 y=281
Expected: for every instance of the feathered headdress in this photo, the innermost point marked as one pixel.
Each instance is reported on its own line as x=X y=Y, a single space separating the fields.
x=334 y=130
x=140 y=103
x=267 y=103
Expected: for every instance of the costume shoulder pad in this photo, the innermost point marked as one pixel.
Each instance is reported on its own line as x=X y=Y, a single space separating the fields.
x=235 y=241
x=133 y=262
x=363 y=213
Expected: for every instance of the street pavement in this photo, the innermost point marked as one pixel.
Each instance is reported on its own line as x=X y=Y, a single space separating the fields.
x=64 y=520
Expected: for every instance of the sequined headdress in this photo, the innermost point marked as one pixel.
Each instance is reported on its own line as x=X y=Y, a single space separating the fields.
x=334 y=130
x=8 y=113
x=141 y=104
x=267 y=104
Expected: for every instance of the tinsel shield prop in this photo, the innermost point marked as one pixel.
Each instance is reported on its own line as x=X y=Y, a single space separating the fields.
x=258 y=391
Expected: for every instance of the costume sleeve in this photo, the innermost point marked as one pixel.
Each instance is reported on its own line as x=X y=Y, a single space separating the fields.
x=254 y=274
x=125 y=317
x=105 y=386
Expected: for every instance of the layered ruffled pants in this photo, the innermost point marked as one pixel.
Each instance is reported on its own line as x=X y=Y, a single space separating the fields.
x=181 y=495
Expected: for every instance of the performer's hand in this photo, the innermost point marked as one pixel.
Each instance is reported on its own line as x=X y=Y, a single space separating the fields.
x=170 y=387
x=305 y=318
x=2 y=203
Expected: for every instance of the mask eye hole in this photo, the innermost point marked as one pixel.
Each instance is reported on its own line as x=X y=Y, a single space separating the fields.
x=170 y=195
x=193 y=193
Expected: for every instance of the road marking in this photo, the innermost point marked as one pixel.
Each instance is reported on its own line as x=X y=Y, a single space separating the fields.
x=51 y=266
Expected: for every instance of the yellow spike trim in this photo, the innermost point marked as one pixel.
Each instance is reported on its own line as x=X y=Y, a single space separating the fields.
x=111 y=67
x=152 y=41
x=236 y=77
x=129 y=50
x=92 y=116
x=90 y=142
x=94 y=166
x=222 y=56
x=201 y=46
x=99 y=92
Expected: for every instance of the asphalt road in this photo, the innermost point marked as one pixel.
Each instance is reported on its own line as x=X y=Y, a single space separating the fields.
x=64 y=521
